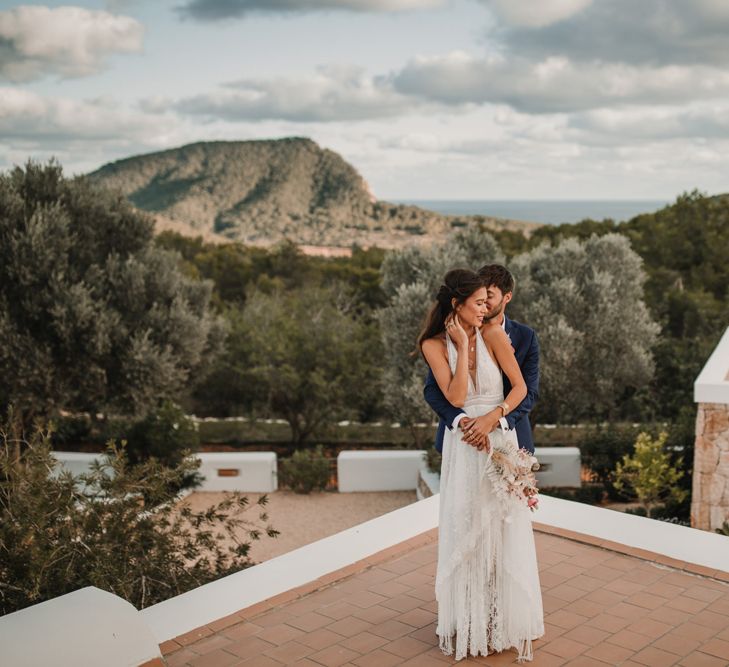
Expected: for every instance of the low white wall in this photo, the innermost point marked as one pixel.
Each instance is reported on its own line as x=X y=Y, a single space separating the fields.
x=378 y=470
x=223 y=471
x=76 y=463
x=86 y=628
x=560 y=466
x=239 y=471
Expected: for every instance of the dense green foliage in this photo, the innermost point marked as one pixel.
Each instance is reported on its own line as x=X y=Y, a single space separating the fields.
x=237 y=270
x=601 y=451
x=118 y=528
x=305 y=470
x=685 y=253
x=650 y=473
x=93 y=315
x=165 y=433
x=304 y=355
x=593 y=350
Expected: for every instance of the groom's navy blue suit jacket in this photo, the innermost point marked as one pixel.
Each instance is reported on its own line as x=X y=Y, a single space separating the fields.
x=526 y=349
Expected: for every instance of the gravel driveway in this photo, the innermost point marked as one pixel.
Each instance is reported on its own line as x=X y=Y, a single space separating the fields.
x=302 y=519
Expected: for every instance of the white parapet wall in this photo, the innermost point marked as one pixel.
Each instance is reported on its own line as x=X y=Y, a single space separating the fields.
x=239 y=471
x=86 y=628
x=77 y=463
x=223 y=471
x=559 y=466
x=379 y=470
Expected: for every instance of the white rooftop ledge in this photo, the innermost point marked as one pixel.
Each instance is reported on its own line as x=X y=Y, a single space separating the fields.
x=700 y=547
x=712 y=385
x=86 y=628
x=225 y=596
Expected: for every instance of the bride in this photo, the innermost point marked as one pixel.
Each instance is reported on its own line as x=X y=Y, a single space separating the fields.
x=487 y=582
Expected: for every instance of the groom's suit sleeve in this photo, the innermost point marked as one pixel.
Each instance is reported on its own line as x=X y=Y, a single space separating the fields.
x=436 y=400
x=530 y=371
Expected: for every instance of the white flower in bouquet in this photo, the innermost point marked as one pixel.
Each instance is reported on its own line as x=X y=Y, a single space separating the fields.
x=512 y=473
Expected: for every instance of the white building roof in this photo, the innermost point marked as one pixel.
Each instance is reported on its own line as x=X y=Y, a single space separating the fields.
x=712 y=385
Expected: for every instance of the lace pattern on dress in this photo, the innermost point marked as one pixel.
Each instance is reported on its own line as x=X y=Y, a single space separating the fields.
x=487 y=585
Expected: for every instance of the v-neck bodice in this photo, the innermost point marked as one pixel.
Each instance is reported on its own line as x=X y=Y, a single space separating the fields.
x=489 y=385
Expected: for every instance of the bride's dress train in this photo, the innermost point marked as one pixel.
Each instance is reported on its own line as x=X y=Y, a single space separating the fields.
x=487 y=581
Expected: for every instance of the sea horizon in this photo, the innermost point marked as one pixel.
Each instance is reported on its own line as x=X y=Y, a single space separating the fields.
x=546 y=211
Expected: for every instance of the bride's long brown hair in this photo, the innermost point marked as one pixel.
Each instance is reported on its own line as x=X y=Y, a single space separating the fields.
x=458 y=284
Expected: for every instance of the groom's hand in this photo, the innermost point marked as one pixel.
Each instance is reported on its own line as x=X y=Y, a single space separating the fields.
x=476 y=431
x=466 y=424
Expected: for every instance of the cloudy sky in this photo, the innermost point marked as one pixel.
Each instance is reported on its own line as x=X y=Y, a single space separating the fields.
x=429 y=99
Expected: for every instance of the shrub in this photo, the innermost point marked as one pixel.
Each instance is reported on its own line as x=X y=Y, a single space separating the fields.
x=119 y=528
x=650 y=473
x=602 y=450
x=433 y=459
x=305 y=470
x=71 y=430
x=166 y=434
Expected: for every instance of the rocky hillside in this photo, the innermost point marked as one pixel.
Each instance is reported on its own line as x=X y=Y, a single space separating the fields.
x=261 y=192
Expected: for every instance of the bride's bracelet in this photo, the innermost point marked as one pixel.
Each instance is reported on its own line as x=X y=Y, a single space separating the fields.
x=504 y=408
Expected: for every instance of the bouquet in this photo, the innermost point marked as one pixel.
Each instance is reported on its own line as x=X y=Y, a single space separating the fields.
x=512 y=473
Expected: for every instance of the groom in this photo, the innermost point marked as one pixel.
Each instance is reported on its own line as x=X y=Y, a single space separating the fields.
x=500 y=288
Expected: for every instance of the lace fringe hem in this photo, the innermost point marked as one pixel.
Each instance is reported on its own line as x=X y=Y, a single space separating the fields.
x=523 y=647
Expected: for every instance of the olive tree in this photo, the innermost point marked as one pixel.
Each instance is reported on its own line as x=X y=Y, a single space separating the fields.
x=93 y=315
x=585 y=301
x=308 y=357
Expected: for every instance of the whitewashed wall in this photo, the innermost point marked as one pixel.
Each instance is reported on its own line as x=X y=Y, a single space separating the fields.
x=223 y=471
x=379 y=470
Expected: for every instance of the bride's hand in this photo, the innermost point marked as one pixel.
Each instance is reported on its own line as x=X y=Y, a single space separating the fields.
x=477 y=430
x=456 y=331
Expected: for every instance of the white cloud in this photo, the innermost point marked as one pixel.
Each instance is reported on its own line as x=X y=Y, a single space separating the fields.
x=531 y=14
x=42 y=121
x=555 y=84
x=611 y=127
x=647 y=32
x=331 y=94
x=215 y=10
x=69 y=41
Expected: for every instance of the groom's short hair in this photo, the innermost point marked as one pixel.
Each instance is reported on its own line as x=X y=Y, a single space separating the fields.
x=498 y=276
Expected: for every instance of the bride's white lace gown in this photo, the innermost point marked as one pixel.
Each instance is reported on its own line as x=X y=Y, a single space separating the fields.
x=487 y=581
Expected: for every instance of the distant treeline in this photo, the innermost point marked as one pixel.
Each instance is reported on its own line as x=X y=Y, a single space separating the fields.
x=685 y=253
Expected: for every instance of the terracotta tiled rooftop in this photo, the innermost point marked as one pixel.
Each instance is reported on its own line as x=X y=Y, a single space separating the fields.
x=604 y=604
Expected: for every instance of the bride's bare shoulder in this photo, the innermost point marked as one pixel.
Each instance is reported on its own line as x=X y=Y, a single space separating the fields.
x=494 y=335
x=435 y=344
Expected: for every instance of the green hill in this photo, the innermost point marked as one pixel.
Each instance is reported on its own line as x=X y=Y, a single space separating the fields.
x=262 y=192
